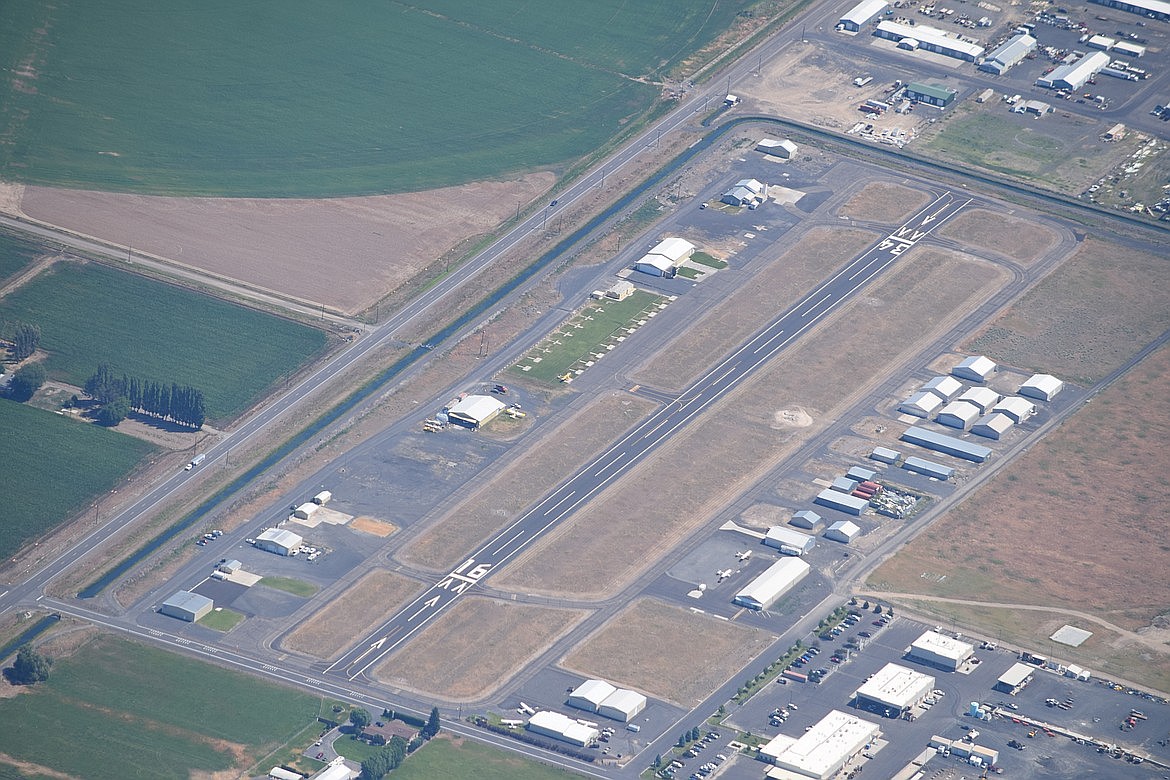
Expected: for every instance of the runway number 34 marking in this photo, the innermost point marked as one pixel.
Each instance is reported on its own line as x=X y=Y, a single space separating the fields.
x=465 y=576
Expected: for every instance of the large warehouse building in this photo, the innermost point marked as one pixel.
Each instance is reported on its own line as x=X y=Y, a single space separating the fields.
x=475 y=411
x=823 y=750
x=893 y=690
x=843 y=531
x=922 y=404
x=927 y=38
x=940 y=442
x=939 y=650
x=665 y=257
x=958 y=414
x=928 y=468
x=1010 y=53
x=186 y=605
x=842 y=502
x=1154 y=9
x=1075 y=75
x=862 y=14
x=279 y=540
x=788 y=541
x=779 y=578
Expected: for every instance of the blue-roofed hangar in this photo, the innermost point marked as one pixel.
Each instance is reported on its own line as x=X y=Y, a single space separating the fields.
x=949 y=445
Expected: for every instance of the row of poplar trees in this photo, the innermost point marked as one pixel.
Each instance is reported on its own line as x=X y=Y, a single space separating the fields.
x=179 y=404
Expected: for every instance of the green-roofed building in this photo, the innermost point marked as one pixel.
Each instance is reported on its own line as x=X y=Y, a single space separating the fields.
x=931 y=94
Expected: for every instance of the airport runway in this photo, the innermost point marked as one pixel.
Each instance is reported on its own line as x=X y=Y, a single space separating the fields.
x=640 y=442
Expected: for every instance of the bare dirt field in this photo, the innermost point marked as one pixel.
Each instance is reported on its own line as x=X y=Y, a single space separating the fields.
x=704 y=651
x=1072 y=516
x=813 y=84
x=719 y=455
x=884 y=201
x=1020 y=239
x=346 y=253
x=362 y=606
x=1086 y=318
x=797 y=270
x=475 y=647
x=371 y=526
x=522 y=482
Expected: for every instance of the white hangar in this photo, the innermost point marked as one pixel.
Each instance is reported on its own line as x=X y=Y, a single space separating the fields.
x=475 y=411
x=788 y=541
x=779 y=578
x=977 y=368
x=1043 y=387
x=279 y=540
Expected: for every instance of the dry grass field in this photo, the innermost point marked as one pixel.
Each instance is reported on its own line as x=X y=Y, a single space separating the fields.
x=719 y=455
x=346 y=253
x=1074 y=515
x=1086 y=318
x=362 y=606
x=475 y=647
x=817 y=255
x=521 y=483
x=371 y=526
x=884 y=201
x=1020 y=239
x=704 y=652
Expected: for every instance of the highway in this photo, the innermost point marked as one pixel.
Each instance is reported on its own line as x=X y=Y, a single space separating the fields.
x=636 y=445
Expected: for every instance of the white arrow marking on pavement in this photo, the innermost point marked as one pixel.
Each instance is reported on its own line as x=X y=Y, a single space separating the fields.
x=426 y=605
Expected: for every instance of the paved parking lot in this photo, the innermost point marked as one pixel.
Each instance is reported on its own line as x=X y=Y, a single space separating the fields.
x=1097 y=711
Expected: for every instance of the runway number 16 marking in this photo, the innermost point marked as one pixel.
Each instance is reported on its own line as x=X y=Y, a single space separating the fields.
x=464 y=577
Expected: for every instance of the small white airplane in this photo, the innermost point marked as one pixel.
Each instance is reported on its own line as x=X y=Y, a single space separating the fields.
x=743 y=556
x=723 y=574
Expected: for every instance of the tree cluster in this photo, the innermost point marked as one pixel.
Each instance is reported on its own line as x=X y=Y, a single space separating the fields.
x=30 y=667
x=385 y=760
x=25 y=340
x=26 y=381
x=432 y=727
x=179 y=404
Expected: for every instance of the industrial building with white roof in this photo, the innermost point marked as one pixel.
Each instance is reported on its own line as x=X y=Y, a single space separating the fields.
x=983 y=397
x=1010 y=53
x=992 y=426
x=1075 y=75
x=862 y=14
x=893 y=690
x=821 y=751
x=1155 y=9
x=186 y=605
x=844 y=531
x=1019 y=409
x=940 y=650
x=930 y=39
x=779 y=578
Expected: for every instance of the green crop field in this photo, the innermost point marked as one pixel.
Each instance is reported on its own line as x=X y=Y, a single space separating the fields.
x=593 y=329
x=92 y=314
x=59 y=466
x=101 y=715
x=16 y=254
x=443 y=758
x=284 y=98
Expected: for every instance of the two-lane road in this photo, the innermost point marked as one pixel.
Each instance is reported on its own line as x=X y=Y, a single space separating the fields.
x=636 y=445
